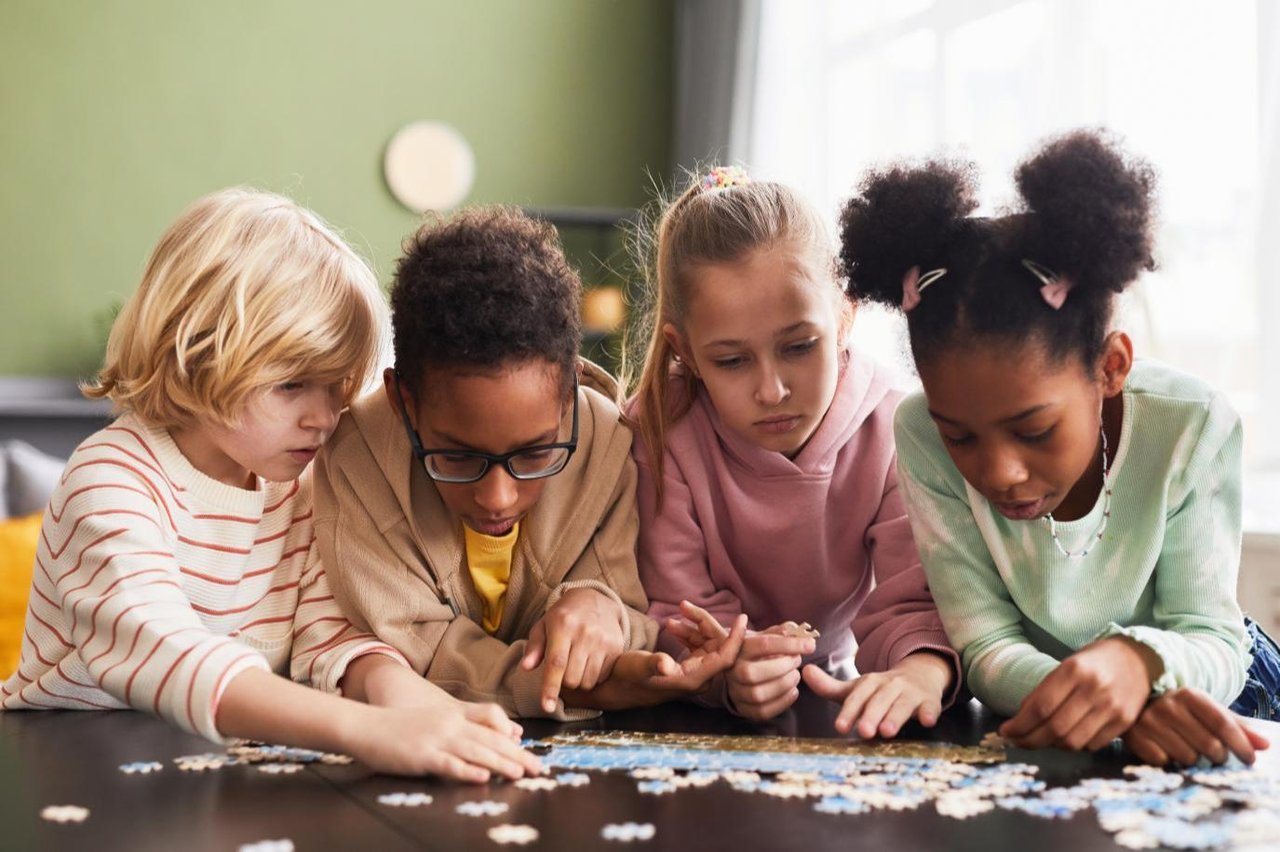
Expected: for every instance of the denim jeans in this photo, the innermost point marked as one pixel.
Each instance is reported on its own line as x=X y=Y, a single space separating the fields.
x=1261 y=696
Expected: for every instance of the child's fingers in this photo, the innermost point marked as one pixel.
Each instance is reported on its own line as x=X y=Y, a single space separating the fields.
x=726 y=655
x=1220 y=726
x=1145 y=748
x=575 y=669
x=824 y=684
x=764 y=693
x=855 y=702
x=1256 y=739
x=777 y=706
x=555 y=663
x=1171 y=742
x=876 y=708
x=761 y=645
x=492 y=717
x=534 y=647
x=708 y=627
x=687 y=633
x=902 y=709
x=928 y=712
x=1039 y=706
x=753 y=672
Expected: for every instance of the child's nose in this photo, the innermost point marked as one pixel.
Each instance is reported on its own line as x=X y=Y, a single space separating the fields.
x=323 y=411
x=496 y=492
x=1002 y=469
x=771 y=389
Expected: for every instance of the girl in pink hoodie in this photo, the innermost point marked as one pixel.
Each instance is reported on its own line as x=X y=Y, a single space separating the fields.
x=767 y=481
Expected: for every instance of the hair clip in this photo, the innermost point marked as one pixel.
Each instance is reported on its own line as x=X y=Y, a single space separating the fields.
x=1053 y=287
x=723 y=177
x=913 y=284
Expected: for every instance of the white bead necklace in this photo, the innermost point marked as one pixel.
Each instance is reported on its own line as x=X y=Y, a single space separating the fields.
x=1106 y=511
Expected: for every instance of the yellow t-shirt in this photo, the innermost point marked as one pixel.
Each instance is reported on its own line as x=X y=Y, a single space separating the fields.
x=489 y=561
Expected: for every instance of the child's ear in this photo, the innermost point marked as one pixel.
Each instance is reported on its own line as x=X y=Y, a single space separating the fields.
x=1115 y=363
x=679 y=345
x=397 y=396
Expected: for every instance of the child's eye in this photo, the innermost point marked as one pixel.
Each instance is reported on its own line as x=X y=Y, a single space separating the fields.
x=729 y=363
x=803 y=347
x=290 y=387
x=1039 y=437
x=956 y=442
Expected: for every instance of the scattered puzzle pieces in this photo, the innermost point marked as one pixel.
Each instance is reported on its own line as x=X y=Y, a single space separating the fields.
x=536 y=784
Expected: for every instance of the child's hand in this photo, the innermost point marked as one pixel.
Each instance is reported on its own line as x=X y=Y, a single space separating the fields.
x=765 y=679
x=579 y=639
x=881 y=702
x=1185 y=724
x=1092 y=697
x=467 y=742
x=658 y=672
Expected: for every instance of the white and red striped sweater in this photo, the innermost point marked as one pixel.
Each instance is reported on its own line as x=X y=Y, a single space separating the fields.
x=154 y=585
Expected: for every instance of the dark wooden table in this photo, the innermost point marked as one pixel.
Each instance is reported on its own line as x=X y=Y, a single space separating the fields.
x=57 y=758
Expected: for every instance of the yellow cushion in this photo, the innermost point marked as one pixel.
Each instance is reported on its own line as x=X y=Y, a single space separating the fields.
x=18 y=537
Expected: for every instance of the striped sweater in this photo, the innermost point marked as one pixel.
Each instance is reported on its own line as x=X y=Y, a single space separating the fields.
x=154 y=585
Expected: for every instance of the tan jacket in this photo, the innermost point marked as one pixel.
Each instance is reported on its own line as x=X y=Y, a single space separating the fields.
x=397 y=564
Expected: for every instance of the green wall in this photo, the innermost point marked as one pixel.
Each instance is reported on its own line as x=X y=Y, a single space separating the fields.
x=115 y=114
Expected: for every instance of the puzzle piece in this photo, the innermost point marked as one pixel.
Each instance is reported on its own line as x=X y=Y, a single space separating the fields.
x=405 y=800
x=141 y=767
x=268 y=846
x=519 y=834
x=628 y=832
x=487 y=807
x=64 y=813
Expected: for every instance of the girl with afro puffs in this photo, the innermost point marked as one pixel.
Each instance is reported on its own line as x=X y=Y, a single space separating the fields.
x=1077 y=511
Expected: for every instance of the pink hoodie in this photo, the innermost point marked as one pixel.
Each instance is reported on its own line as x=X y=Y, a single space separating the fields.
x=822 y=538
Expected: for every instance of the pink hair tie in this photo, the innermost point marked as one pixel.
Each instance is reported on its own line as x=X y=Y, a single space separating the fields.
x=723 y=177
x=913 y=284
x=1054 y=288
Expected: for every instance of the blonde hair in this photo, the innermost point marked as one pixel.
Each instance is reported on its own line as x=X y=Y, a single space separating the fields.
x=245 y=290
x=710 y=225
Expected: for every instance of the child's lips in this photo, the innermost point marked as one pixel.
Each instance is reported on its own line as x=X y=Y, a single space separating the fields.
x=1024 y=510
x=304 y=455
x=779 y=425
x=492 y=528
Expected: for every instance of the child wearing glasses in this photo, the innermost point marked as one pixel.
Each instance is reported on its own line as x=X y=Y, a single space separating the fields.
x=177 y=570
x=480 y=514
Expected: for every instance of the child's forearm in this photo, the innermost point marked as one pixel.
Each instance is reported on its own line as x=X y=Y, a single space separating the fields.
x=260 y=705
x=384 y=681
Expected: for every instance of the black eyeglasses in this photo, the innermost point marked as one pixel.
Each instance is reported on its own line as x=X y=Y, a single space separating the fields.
x=461 y=466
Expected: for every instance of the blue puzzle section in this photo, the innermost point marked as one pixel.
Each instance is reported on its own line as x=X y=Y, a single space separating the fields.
x=574 y=756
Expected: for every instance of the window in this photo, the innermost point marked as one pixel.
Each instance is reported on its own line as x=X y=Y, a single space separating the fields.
x=842 y=86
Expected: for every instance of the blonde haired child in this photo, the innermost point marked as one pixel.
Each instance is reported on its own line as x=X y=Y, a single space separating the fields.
x=177 y=567
x=767 y=482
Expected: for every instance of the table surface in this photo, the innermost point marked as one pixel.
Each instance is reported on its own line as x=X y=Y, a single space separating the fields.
x=68 y=757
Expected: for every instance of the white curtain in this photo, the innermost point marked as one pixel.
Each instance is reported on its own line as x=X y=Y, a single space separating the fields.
x=1193 y=87
x=716 y=46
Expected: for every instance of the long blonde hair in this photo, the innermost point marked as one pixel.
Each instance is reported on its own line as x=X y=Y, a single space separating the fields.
x=708 y=224
x=246 y=289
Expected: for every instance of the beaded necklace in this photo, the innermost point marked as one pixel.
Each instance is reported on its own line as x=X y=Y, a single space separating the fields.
x=1106 y=511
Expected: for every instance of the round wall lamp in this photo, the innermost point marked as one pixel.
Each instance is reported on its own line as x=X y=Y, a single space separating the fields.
x=429 y=166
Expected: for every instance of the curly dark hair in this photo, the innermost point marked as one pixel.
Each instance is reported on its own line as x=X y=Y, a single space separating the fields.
x=482 y=289
x=1086 y=214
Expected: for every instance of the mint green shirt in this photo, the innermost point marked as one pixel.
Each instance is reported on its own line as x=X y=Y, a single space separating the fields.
x=1163 y=574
